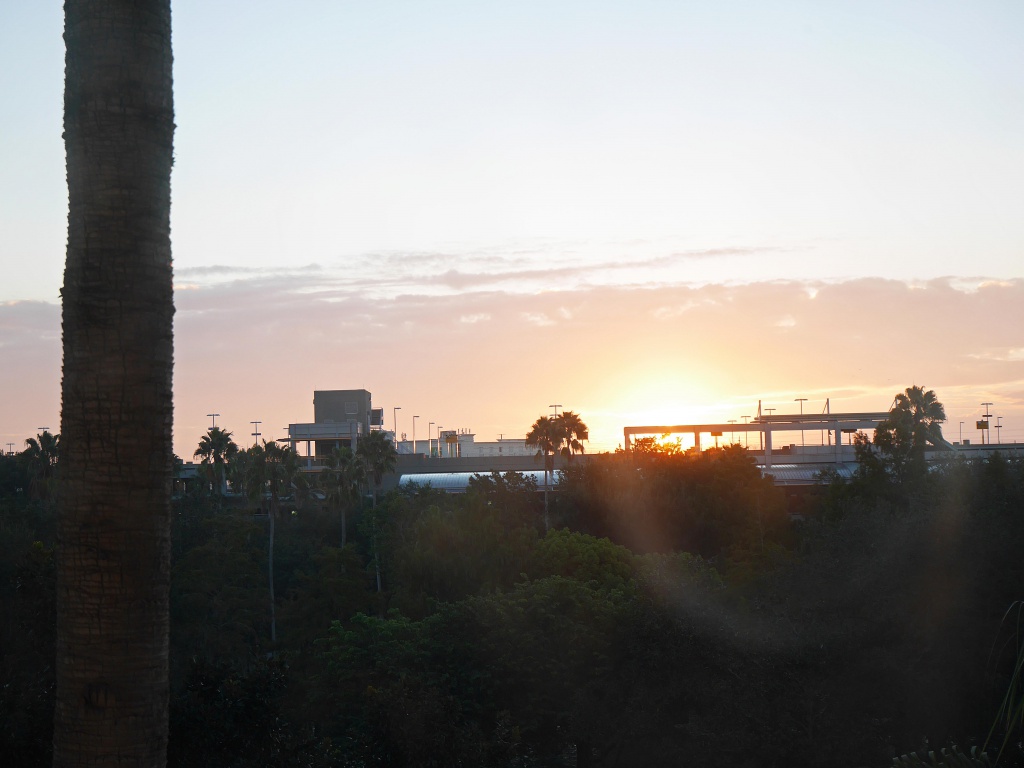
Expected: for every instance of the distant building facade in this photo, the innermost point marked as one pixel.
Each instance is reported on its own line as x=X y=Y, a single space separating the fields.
x=340 y=417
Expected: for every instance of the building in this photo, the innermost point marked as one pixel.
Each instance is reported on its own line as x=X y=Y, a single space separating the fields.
x=340 y=416
x=455 y=444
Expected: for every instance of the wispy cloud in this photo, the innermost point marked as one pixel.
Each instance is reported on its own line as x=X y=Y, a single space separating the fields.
x=256 y=348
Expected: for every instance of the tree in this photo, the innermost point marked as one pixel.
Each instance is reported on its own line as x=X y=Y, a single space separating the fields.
x=216 y=449
x=379 y=456
x=40 y=462
x=573 y=431
x=547 y=436
x=913 y=422
x=116 y=415
x=342 y=479
x=269 y=470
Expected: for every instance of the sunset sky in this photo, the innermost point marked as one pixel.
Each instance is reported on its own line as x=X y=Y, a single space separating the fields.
x=644 y=212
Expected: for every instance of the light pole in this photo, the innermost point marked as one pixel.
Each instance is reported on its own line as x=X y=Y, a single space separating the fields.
x=257 y=433
x=395 y=411
x=732 y=435
x=414 y=434
x=961 y=434
x=987 y=416
x=439 y=454
x=556 y=407
x=10 y=449
x=430 y=446
x=999 y=426
x=214 y=417
x=801 y=400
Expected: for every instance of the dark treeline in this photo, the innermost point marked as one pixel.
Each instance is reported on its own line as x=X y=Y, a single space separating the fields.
x=675 y=613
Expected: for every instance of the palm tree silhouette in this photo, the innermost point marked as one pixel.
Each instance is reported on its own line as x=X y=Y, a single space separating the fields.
x=379 y=457
x=573 y=431
x=341 y=479
x=40 y=460
x=547 y=436
x=270 y=471
x=914 y=421
x=216 y=449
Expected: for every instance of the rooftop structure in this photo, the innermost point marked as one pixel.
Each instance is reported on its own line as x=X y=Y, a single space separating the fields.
x=340 y=416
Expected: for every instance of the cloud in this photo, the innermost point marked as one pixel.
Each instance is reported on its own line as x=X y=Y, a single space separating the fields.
x=487 y=359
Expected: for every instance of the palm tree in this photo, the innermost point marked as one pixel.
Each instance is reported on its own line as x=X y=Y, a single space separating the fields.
x=341 y=479
x=914 y=421
x=40 y=461
x=574 y=431
x=269 y=470
x=547 y=436
x=379 y=457
x=216 y=449
x=113 y=569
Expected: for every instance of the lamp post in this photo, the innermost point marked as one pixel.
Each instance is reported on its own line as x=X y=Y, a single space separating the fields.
x=732 y=435
x=961 y=434
x=10 y=449
x=257 y=433
x=395 y=411
x=801 y=400
x=430 y=445
x=987 y=416
x=556 y=407
x=999 y=426
x=414 y=434
x=439 y=454
x=214 y=417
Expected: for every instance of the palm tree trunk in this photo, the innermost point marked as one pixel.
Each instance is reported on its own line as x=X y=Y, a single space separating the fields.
x=270 y=569
x=376 y=557
x=116 y=417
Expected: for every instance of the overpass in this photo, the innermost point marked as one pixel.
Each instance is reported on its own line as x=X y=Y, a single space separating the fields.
x=836 y=424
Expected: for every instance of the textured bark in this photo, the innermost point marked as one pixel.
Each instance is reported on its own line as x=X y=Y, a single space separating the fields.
x=116 y=419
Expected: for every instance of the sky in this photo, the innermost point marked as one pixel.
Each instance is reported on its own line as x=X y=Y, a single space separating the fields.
x=645 y=212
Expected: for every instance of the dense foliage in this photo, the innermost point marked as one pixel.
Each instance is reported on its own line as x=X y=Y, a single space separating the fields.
x=675 y=613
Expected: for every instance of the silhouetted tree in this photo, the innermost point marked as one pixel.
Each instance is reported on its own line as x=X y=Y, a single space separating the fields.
x=216 y=449
x=342 y=479
x=573 y=432
x=40 y=462
x=379 y=456
x=547 y=436
x=913 y=422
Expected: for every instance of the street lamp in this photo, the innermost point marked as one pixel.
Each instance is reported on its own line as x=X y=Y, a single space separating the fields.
x=961 y=434
x=214 y=417
x=439 y=454
x=395 y=411
x=414 y=434
x=430 y=446
x=257 y=433
x=987 y=416
x=999 y=426
x=556 y=407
